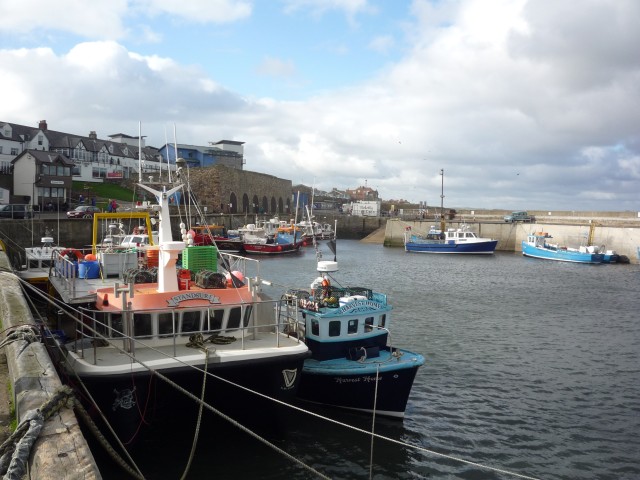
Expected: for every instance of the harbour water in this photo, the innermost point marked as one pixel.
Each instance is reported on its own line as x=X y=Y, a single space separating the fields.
x=532 y=367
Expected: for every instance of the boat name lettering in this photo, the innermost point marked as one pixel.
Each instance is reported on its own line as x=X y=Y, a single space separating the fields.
x=367 y=379
x=183 y=297
x=362 y=305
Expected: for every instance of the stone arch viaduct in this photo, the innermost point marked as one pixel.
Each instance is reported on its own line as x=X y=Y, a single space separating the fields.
x=228 y=190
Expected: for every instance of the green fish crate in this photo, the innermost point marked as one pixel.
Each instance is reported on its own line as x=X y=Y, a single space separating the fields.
x=200 y=258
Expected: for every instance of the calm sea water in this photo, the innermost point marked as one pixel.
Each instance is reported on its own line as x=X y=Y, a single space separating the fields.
x=532 y=367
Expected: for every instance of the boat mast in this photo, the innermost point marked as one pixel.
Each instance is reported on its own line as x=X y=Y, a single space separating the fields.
x=442 y=224
x=139 y=152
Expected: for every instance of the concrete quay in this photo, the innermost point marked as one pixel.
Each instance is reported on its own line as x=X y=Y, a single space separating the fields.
x=60 y=451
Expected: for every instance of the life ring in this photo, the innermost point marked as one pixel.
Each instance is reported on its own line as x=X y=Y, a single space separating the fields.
x=67 y=252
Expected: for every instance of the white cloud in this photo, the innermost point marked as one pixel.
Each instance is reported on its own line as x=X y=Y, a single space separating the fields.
x=516 y=100
x=382 y=43
x=275 y=67
x=96 y=19
x=200 y=11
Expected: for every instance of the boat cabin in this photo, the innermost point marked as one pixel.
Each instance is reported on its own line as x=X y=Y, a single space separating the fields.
x=459 y=235
x=163 y=326
x=344 y=322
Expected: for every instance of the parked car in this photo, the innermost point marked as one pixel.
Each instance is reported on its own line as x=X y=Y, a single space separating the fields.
x=16 y=211
x=83 y=211
x=519 y=217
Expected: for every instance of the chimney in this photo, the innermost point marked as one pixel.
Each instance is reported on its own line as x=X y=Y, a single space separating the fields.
x=92 y=135
x=42 y=125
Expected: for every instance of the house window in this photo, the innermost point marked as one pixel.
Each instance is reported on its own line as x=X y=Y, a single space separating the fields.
x=0 y=149
x=14 y=151
x=40 y=140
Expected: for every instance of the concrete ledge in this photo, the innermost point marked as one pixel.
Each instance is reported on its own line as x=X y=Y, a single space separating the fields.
x=61 y=450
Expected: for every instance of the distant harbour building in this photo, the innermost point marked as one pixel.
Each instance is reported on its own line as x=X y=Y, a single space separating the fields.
x=369 y=208
x=225 y=152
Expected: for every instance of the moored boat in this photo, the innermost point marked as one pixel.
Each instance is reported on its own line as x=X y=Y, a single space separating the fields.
x=265 y=239
x=537 y=246
x=216 y=235
x=152 y=343
x=352 y=364
x=39 y=260
x=452 y=241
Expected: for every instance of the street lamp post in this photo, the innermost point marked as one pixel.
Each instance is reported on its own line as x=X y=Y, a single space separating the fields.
x=442 y=201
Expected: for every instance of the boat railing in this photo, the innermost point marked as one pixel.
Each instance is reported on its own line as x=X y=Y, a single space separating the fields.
x=66 y=270
x=91 y=332
x=250 y=267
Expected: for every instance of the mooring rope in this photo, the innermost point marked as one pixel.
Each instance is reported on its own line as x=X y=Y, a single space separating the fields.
x=15 y=451
x=198 y=422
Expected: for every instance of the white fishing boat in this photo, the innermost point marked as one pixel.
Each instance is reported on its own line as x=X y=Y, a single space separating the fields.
x=39 y=260
x=151 y=338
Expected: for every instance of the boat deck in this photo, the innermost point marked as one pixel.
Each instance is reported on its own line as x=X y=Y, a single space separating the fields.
x=76 y=290
x=168 y=356
x=384 y=362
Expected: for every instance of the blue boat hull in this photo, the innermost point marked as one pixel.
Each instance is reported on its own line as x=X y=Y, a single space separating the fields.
x=561 y=255
x=351 y=384
x=476 y=248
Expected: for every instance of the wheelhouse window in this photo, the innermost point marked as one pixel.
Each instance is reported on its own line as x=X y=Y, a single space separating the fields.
x=165 y=324
x=383 y=320
x=315 y=327
x=352 y=327
x=190 y=321
x=247 y=316
x=235 y=314
x=142 y=325
x=215 y=318
x=368 y=324
x=115 y=325
x=101 y=323
x=334 y=328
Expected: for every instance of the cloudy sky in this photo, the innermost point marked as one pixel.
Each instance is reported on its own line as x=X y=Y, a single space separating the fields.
x=524 y=104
